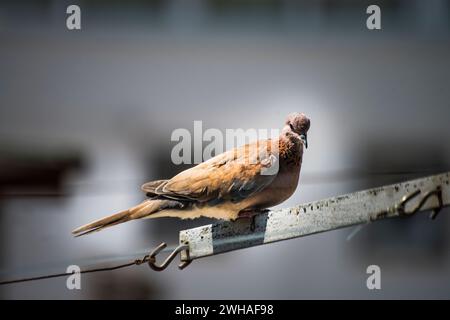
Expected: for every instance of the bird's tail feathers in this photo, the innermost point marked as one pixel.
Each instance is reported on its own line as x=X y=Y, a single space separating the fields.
x=140 y=211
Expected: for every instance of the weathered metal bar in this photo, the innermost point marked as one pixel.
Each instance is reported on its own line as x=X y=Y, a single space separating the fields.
x=318 y=216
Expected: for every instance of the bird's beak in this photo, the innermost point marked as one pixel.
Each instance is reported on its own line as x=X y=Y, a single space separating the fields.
x=304 y=139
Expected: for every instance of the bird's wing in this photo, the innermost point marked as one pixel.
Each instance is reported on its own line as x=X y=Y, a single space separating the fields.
x=233 y=175
x=150 y=187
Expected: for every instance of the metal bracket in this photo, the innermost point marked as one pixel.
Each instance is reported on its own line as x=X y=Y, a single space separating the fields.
x=400 y=208
x=324 y=215
x=389 y=201
x=181 y=248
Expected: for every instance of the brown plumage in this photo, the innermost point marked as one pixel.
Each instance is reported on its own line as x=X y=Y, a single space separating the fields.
x=235 y=183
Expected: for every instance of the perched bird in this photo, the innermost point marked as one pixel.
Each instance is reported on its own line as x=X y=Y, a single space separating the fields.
x=237 y=183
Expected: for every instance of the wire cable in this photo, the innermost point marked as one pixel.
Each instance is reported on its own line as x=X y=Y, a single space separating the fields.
x=57 y=275
x=140 y=261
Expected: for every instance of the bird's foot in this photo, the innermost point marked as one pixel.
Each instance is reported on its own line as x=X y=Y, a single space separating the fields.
x=251 y=214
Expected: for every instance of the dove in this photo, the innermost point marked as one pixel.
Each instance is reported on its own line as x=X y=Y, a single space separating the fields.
x=240 y=182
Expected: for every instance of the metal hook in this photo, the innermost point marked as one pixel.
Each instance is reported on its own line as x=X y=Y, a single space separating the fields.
x=162 y=266
x=436 y=192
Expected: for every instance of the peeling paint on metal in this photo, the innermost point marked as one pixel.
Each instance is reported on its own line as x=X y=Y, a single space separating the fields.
x=319 y=216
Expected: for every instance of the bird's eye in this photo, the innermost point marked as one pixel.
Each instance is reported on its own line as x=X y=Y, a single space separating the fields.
x=292 y=127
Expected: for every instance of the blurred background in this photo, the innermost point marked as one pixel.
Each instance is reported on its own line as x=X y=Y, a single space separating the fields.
x=86 y=118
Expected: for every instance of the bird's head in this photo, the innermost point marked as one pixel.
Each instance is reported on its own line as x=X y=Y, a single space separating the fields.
x=299 y=123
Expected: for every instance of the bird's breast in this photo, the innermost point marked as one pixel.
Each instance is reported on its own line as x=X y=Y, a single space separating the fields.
x=281 y=188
